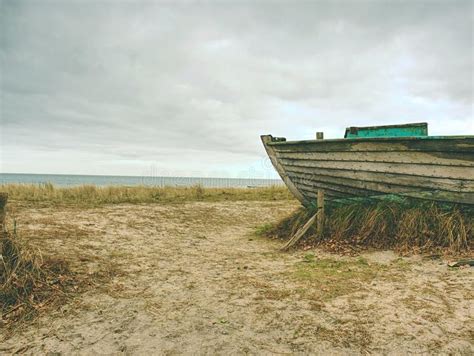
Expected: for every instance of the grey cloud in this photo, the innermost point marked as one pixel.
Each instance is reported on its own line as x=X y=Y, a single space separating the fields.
x=165 y=82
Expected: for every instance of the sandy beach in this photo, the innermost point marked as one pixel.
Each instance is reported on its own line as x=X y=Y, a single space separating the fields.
x=193 y=278
x=236 y=177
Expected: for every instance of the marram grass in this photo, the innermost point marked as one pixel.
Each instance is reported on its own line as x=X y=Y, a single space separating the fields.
x=404 y=225
x=91 y=194
x=29 y=283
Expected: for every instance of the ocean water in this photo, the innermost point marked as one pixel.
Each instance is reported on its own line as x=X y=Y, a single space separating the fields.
x=74 y=180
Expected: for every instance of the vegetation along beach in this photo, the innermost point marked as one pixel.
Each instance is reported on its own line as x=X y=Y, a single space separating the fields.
x=183 y=270
x=236 y=177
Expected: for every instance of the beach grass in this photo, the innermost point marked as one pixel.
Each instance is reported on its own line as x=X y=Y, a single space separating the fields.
x=97 y=195
x=405 y=225
x=29 y=282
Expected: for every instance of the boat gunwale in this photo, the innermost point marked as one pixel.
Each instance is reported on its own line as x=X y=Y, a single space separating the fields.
x=370 y=139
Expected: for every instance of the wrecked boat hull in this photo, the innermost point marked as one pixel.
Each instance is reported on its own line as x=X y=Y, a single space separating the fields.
x=437 y=168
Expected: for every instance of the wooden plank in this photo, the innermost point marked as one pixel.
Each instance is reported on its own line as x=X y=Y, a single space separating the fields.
x=311 y=193
x=357 y=188
x=461 y=173
x=333 y=187
x=448 y=197
x=363 y=179
x=445 y=144
x=300 y=233
x=309 y=189
x=429 y=158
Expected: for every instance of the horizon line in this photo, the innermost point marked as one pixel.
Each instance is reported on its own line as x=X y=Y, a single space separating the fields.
x=132 y=176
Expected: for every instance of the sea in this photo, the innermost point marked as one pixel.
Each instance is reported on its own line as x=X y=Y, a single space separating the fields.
x=68 y=180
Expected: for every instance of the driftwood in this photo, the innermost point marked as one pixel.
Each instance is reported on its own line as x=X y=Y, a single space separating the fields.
x=299 y=234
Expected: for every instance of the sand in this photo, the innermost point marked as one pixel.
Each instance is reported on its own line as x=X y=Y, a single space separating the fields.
x=194 y=279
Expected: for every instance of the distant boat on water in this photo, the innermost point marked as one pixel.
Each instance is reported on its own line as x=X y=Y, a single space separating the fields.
x=377 y=160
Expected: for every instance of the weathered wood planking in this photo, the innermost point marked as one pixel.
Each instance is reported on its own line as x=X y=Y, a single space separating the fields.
x=461 y=198
x=338 y=192
x=435 y=168
x=421 y=144
x=351 y=190
x=267 y=139
x=428 y=158
x=311 y=196
x=424 y=170
x=382 y=181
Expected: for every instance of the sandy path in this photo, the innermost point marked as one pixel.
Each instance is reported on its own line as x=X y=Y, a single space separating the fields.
x=194 y=280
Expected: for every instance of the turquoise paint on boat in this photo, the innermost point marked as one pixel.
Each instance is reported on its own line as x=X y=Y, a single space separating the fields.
x=408 y=130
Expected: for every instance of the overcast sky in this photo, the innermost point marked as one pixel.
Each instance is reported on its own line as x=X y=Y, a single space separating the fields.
x=187 y=88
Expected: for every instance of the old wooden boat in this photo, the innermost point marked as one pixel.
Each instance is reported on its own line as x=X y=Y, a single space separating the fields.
x=376 y=161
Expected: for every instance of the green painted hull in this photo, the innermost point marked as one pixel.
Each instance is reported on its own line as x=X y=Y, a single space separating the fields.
x=408 y=130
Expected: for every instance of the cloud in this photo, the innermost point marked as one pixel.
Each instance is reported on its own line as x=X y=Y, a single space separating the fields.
x=116 y=88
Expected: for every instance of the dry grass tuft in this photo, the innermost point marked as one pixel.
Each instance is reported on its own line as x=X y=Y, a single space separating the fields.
x=29 y=283
x=406 y=226
x=95 y=195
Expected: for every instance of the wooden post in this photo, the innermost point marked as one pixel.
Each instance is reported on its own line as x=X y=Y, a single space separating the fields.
x=3 y=210
x=319 y=135
x=320 y=221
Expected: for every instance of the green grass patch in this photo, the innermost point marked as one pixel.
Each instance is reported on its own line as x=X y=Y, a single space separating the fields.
x=263 y=230
x=327 y=278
